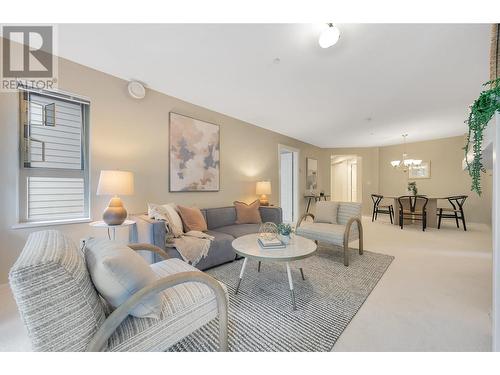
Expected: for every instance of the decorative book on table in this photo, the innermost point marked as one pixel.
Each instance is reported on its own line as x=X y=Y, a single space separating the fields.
x=271 y=244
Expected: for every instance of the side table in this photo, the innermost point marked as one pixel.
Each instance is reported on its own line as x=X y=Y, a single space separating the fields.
x=112 y=235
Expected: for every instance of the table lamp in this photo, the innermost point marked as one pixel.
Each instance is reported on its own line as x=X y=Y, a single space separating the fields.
x=263 y=189
x=115 y=183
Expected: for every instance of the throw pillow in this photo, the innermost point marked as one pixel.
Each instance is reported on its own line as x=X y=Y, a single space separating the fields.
x=326 y=212
x=192 y=218
x=167 y=212
x=118 y=272
x=248 y=213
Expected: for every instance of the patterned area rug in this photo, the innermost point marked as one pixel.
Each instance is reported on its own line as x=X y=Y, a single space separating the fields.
x=261 y=317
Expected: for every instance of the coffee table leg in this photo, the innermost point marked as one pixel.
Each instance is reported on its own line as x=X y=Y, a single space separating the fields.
x=290 y=283
x=258 y=268
x=241 y=274
x=302 y=273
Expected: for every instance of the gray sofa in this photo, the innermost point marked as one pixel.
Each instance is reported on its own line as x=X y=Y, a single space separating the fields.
x=221 y=223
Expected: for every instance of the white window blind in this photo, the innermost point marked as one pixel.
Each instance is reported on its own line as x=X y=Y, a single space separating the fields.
x=53 y=198
x=54 y=152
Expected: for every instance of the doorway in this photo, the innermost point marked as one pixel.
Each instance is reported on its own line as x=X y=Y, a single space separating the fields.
x=346 y=178
x=289 y=182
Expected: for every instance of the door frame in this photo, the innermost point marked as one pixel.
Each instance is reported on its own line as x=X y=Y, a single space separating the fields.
x=296 y=177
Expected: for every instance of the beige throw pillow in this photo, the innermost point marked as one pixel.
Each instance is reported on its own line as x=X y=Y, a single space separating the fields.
x=118 y=272
x=248 y=213
x=326 y=212
x=167 y=212
x=192 y=218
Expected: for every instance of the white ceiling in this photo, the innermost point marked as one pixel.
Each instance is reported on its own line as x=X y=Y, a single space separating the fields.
x=415 y=79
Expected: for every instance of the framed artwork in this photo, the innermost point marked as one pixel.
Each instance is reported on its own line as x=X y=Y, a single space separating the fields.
x=421 y=171
x=311 y=175
x=194 y=148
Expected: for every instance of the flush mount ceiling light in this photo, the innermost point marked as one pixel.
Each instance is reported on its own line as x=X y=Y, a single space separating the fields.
x=329 y=36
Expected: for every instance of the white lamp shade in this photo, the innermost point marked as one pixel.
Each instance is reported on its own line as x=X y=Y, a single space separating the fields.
x=116 y=183
x=263 y=187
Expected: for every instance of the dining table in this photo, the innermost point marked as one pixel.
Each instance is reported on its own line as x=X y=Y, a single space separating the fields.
x=431 y=209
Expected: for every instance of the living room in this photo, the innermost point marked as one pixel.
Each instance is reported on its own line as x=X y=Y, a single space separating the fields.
x=262 y=187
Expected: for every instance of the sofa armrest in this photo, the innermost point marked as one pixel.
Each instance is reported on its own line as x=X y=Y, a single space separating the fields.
x=271 y=214
x=304 y=217
x=101 y=337
x=148 y=247
x=149 y=231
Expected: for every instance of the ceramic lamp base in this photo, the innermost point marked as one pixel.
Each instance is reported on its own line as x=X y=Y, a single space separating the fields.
x=263 y=200
x=115 y=213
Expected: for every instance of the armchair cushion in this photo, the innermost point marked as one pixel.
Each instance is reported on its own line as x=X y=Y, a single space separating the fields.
x=326 y=212
x=324 y=232
x=184 y=308
x=118 y=272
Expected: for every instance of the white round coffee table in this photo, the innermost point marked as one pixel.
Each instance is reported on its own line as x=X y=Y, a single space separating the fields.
x=298 y=248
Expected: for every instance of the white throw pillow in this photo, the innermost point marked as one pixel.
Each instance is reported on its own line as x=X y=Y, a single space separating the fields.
x=326 y=212
x=118 y=272
x=167 y=212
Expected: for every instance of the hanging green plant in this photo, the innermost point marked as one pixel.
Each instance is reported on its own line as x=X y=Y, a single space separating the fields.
x=481 y=112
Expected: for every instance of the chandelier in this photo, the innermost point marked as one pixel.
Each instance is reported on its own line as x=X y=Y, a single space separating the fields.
x=405 y=162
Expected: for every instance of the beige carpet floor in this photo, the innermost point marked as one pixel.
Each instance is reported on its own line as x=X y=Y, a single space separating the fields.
x=435 y=296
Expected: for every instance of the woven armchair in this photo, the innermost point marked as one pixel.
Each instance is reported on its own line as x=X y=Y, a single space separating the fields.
x=339 y=234
x=62 y=310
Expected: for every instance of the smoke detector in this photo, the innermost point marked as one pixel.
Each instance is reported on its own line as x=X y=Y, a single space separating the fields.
x=136 y=90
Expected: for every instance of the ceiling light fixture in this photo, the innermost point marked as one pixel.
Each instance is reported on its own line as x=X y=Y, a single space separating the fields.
x=405 y=163
x=329 y=36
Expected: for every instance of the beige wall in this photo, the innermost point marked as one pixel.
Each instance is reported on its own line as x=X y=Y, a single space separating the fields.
x=132 y=135
x=447 y=175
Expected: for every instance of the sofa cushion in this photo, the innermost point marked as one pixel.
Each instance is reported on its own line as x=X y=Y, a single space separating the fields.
x=271 y=214
x=324 y=232
x=248 y=213
x=220 y=217
x=118 y=272
x=54 y=293
x=221 y=251
x=193 y=218
x=184 y=308
x=239 y=230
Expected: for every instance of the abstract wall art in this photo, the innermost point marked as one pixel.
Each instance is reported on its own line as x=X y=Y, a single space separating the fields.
x=194 y=154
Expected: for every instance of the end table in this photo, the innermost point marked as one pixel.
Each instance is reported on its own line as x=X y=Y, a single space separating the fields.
x=112 y=235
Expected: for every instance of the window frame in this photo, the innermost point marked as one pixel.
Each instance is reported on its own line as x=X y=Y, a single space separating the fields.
x=24 y=172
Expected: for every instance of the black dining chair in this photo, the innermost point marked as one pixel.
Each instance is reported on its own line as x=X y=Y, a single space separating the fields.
x=457 y=212
x=381 y=209
x=413 y=207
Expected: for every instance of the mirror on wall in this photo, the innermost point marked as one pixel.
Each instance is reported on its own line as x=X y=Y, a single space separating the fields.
x=312 y=175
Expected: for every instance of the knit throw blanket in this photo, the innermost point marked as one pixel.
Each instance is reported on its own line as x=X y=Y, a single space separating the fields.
x=193 y=246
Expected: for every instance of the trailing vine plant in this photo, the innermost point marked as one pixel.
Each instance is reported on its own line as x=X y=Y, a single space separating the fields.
x=481 y=112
